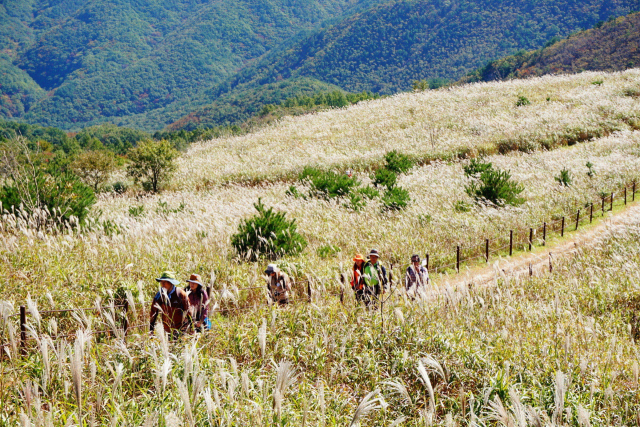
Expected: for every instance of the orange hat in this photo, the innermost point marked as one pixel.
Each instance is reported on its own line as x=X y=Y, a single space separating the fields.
x=358 y=258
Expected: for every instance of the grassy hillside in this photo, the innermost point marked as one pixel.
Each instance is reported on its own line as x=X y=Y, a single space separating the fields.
x=611 y=46
x=114 y=58
x=387 y=47
x=554 y=350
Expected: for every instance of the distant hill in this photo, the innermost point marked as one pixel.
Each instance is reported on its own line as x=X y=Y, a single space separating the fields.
x=73 y=63
x=388 y=46
x=611 y=46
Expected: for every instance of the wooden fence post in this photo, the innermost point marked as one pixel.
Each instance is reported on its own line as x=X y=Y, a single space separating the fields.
x=458 y=258
x=510 y=242
x=125 y=320
x=486 y=249
x=530 y=239
x=611 y=207
x=23 y=329
x=562 y=228
x=544 y=234
x=577 y=219
x=591 y=214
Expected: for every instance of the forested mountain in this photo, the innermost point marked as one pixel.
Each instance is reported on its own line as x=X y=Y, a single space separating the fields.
x=387 y=47
x=610 y=46
x=146 y=64
x=71 y=63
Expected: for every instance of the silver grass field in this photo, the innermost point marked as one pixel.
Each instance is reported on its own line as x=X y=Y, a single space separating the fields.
x=556 y=349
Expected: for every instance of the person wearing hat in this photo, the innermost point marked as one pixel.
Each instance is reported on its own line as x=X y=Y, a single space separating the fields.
x=278 y=284
x=417 y=277
x=172 y=302
x=375 y=277
x=357 y=281
x=198 y=303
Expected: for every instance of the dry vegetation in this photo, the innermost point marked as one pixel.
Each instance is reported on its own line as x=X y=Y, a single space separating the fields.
x=554 y=350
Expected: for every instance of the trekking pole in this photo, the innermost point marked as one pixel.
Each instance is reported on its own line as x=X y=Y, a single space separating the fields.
x=427 y=259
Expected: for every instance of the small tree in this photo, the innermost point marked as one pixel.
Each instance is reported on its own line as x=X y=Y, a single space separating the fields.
x=94 y=168
x=495 y=187
x=269 y=234
x=152 y=162
x=398 y=162
x=564 y=179
x=328 y=184
x=395 y=199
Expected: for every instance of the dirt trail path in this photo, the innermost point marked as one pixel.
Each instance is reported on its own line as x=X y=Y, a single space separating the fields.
x=538 y=260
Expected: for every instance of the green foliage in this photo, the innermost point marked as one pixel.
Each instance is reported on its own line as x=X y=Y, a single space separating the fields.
x=328 y=251
x=495 y=187
x=395 y=199
x=591 y=172
x=476 y=167
x=398 y=162
x=94 y=168
x=268 y=234
x=608 y=47
x=355 y=201
x=292 y=191
x=136 y=211
x=119 y=187
x=432 y=83
x=64 y=193
x=368 y=192
x=152 y=163
x=522 y=101
x=328 y=184
x=564 y=179
x=384 y=178
x=164 y=209
x=597 y=82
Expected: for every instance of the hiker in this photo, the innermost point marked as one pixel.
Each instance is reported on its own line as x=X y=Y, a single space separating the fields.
x=172 y=303
x=278 y=284
x=417 y=277
x=375 y=278
x=198 y=303
x=357 y=281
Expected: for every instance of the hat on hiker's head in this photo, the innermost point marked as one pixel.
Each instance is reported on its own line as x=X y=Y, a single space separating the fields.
x=415 y=258
x=374 y=252
x=168 y=276
x=358 y=257
x=195 y=278
x=271 y=268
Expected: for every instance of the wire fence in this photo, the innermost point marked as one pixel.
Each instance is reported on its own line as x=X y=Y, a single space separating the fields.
x=518 y=240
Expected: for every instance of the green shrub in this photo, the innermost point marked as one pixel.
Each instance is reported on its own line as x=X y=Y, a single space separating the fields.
x=395 y=199
x=368 y=192
x=268 y=234
x=597 y=82
x=522 y=101
x=64 y=193
x=355 y=202
x=564 y=178
x=591 y=172
x=476 y=167
x=293 y=192
x=495 y=187
x=120 y=187
x=164 y=209
x=328 y=184
x=384 y=178
x=398 y=162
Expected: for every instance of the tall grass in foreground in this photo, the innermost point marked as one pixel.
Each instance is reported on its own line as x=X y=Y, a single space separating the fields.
x=557 y=350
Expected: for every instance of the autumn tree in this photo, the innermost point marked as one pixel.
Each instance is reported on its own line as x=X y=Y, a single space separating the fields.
x=152 y=163
x=94 y=168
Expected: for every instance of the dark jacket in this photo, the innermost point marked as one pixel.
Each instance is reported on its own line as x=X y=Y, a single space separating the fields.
x=175 y=310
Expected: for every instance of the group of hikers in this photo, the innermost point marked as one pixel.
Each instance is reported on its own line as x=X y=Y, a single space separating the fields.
x=186 y=309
